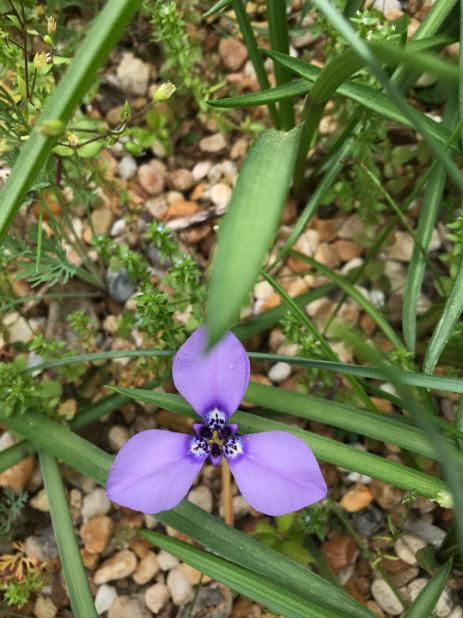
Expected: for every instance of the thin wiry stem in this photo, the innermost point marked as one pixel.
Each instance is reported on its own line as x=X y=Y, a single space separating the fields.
x=227 y=494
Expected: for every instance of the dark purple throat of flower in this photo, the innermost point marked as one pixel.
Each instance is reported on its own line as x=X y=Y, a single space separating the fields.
x=216 y=439
x=275 y=471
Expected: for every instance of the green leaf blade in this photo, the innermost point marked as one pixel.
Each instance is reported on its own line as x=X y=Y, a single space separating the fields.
x=249 y=226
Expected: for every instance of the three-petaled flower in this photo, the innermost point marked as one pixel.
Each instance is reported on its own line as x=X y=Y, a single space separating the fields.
x=276 y=472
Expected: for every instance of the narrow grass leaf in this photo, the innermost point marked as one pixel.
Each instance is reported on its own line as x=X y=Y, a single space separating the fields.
x=444 y=329
x=425 y=603
x=253 y=50
x=387 y=428
x=249 y=226
x=105 y=30
x=63 y=527
x=217 y=7
x=279 y=41
x=270 y=594
x=426 y=223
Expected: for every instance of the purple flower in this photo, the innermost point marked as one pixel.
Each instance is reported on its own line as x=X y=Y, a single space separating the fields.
x=276 y=472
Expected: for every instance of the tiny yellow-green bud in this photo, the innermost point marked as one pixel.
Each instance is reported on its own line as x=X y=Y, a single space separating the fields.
x=164 y=92
x=51 y=128
x=51 y=25
x=40 y=60
x=48 y=40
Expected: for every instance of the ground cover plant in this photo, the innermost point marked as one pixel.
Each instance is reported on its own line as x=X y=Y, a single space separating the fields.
x=277 y=185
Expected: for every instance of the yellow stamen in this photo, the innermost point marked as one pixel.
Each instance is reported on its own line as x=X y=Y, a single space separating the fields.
x=215 y=439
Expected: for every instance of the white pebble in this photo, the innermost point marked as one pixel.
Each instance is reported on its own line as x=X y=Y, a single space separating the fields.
x=156 y=597
x=104 y=597
x=279 y=372
x=95 y=503
x=166 y=560
x=179 y=586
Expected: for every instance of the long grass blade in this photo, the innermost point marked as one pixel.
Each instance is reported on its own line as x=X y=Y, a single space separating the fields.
x=249 y=226
x=245 y=582
x=93 y=51
x=71 y=561
x=279 y=40
x=428 y=215
x=443 y=331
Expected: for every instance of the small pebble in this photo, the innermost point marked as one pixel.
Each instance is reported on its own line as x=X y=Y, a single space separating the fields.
x=232 y=53
x=202 y=497
x=180 y=179
x=133 y=74
x=166 y=561
x=406 y=547
x=127 y=167
x=104 y=597
x=213 y=143
x=147 y=568
x=40 y=501
x=156 y=597
x=279 y=372
x=368 y=521
x=430 y=534
x=45 y=608
x=117 y=437
x=221 y=194
x=179 y=586
x=120 y=285
x=201 y=169
x=117 y=228
x=152 y=177
x=385 y=597
x=96 y=533
x=121 y=565
x=95 y=503
x=127 y=607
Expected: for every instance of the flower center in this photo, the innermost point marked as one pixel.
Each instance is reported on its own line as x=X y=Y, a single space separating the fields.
x=216 y=438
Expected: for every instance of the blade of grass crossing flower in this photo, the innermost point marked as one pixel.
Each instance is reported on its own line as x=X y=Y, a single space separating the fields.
x=249 y=226
x=428 y=215
x=443 y=331
x=345 y=29
x=245 y=582
x=63 y=527
x=325 y=449
x=297 y=311
x=425 y=603
x=188 y=518
x=254 y=55
x=105 y=30
x=217 y=7
x=359 y=298
x=279 y=40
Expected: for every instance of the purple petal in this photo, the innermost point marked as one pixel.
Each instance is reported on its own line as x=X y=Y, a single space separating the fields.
x=276 y=472
x=154 y=470
x=216 y=380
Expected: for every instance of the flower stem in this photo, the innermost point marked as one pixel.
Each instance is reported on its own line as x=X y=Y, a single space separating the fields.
x=227 y=494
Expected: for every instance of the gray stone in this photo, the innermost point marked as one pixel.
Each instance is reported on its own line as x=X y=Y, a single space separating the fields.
x=368 y=521
x=120 y=285
x=429 y=533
